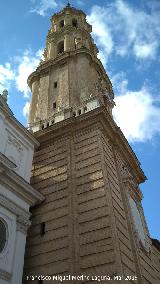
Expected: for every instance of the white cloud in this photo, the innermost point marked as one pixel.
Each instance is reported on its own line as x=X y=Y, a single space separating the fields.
x=136 y=112
x=101 y=31
x=6 y=76
x=102 y=56
x=27 y=63
x=145 y=50
x=26 y=109
x=42 y=6
x=18 y=71
x=121 y=28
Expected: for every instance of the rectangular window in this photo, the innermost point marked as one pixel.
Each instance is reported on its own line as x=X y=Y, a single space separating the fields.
x=54 y=105
x=55 y=85
x=43 y=229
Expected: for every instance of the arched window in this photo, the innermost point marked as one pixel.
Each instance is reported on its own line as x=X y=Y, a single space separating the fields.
x=61 y=24
x=60 y=47
x=74 y=23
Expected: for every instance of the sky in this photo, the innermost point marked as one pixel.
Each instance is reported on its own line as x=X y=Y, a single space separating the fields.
x=127 y=33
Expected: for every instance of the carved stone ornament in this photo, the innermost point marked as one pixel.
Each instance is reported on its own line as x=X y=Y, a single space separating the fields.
x=23 y=224
x=14 y=151
x=15 y=143
x=99 y=86
x=125 y=174
x=22 y=215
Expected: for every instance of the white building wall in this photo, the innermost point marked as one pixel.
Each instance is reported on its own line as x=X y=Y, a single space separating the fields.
x=18 y=258
x=7 y=193
x=7 y=255
x=4 y=282
x=16 y=195
x=14 y=145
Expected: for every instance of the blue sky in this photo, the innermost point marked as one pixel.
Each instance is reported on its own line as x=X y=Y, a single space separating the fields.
x=127 y=34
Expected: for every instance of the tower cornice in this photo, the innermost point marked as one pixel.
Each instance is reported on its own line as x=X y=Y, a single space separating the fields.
x=52 y=35
x=67 y=9
x=98 y=118
x=45 y=66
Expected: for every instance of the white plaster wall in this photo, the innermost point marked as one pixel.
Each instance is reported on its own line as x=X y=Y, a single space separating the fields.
x=18 y=258
x=6 y=257
x=12 y=258
x=3 y=281
x=16 y=147
x=13 y=198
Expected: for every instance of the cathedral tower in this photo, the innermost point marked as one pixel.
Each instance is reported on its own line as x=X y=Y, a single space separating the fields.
x=70 y=79
x=91 y=222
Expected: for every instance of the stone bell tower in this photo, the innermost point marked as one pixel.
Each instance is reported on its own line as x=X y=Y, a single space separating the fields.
x=71 y=75
x=91 y=223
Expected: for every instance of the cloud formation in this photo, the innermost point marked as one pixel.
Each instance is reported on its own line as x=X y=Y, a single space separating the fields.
x=6 y=76
x=27 y=63
x=16 y=73
x=136 y=112
x=18 y=70
x=43 y=6
x=123 y=29
x=26 y=109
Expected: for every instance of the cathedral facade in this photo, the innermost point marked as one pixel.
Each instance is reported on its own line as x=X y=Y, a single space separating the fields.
x=91 y=223
x=16 y=195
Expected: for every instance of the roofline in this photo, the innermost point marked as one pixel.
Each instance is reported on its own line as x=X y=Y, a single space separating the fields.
x=58 y=14
x=14 y=121
x=18 y=185
x=115 y=133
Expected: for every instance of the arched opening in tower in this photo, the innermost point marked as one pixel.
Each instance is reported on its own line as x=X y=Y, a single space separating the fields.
x=74 y=23
x=61 y=24
x=60 y=47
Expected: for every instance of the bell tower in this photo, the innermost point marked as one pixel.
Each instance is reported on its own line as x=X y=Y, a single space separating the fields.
x=91 y=225
x=71 y=79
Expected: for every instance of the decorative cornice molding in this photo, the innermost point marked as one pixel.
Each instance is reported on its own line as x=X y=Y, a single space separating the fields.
x=6 y=163
x=22 y=215
x=23 y=224
x=14 y=208
x=20 y=187
x=98 y=116
x=45 y=66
